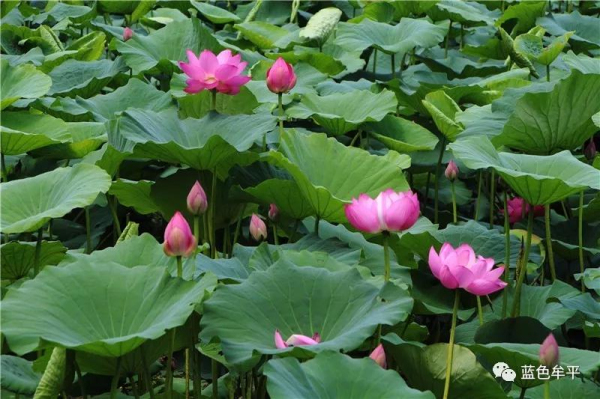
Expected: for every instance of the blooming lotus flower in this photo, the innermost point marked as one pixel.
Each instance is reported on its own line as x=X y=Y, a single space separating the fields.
x=258 y=228
x=515 y=209
x=273 y=212
x=378 y=355
x=296 y=340
x=281 y=77
x=549 y=351
x=179 y=240
x=460 y=268
x=451 y=171
x=221 y=72
x=390 y=211
x=127 y=34
x=196 y=200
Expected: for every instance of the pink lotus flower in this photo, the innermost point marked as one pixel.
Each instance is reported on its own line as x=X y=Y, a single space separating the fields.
x=549 y=351
x=378 y=355
x=515 y=209
x=196 y=200
x=179 y=240
x=390 y=211
x=451 y=171
x=221 y=72
x=258 y=228
x=127 y=34
x=296 y=340
x=460 y=268
x=281 y=77
x=273 y=212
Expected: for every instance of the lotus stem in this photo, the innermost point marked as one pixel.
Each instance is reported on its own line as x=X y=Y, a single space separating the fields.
x=479 y=180
x=197 y=231
x=506 y=254
x=454 y=216
x=187 y=373
x=3 y=163
x=317 y=220
x=275 y=238
x=211 y=219
x=479 y=310
x=580 y=233
x=522 y=395
x=548 y=72
x=238 y=227
x=115 y=380
x=547 y=390
x=179 y=267
x=564 y=209
x=386 y=257
x=295 y=230
x=146 y=373
x=427 y=188
x=437 y=178
x=134 y=388
x=492 y=196
x=393 y=66
x=213 y=100
x=88 y=232
x=169 y=365
x=450 y=356
x=38 y=251
x=205 y=233
x=447 y=40
x=79 y=378
x=281 y=115
x=375 y=62
x=113 y=211
x=522 y=267
x=549 y=243
x=215 y=378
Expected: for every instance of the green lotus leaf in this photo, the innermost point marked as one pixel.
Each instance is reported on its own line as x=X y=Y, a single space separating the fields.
x=402 y=135
x=23 y=81
x=267 y=36
x=162 y=48
x=582 y=63
x=546 y=122
x=342 y=307
x=223 y=269
x=19 y=257
x=467 y=13
x=213 y=141
x=334 y=375
x=585 y=28
x=87 y=48
x=124 y=307
x=400 y=38
x=320 y=25
x=444 y=112
x=566 y=388
x=198 y=105
x=61 y=11
x=135 y=194
x=119 y=7
x=525 y=13
x=285 y=194
x=532 y=46
x=53 y=379
x=336 y=173
x=539 y=180
x=321 y=61
x=18 y=375
x=29 y=203
x=85 y=79
x=508 y=46
x=215 y=14
x=307 y=78
x=343 y=112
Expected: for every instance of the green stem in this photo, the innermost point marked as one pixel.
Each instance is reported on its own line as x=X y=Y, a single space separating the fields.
x=479 y=310
x=479 y=180
x=38 y=251
x=386 y=257
x=549 y=244
x=275 y=238
x=4 y=173
x=454 y=216
x=547 y=390
x=211 y=219
x=356 y=136
x=213 y=100
x=437 y=178
x=146 y=373
x=580 y=231
x=280 y=102
x=205 y=233
x=215 y=379
x=317 y=220
x=427 y=188
x=238 y=227
x=134 y=388
x=179 y=267
x=522 y=266
x=548 y=72
x=450 y=356
x=506 y=254
x=169 y=371
x=187 y=373
x=79 y=378
x=295 y=230
x=447 y=40
x=375 y=62
x=115 y=380
x=88 y=232
x=197 y=231
x=492 y=196
x=113 y=211
x=393 y=66
x=522 y=395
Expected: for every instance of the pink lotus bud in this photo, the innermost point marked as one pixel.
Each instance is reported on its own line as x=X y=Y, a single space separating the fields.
x=515 y=209
x=461 y=268
x=281 y=77
x=196 y=200
x=179 y=240
x=549 y=351
x=127 y=34
x=390 y=211
x=317 y=337
x=279 y=342
x=378 y=355
x=300 y=340
x=451 y=171
x=590 y=149
x=258 y=228
x=273 y=212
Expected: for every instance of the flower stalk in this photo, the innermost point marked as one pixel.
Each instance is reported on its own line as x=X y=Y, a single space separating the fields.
x=450 y=355
x=522 y=267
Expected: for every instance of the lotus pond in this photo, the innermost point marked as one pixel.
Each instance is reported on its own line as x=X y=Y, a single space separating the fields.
x=300 y=199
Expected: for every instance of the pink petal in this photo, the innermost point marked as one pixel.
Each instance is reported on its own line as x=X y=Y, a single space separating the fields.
x=300 y=340
x=463 y=275
x=279 y=342
x=224 y=56
x=447 y=278
x=482 y=287
x=435 y=263
x=208 y=62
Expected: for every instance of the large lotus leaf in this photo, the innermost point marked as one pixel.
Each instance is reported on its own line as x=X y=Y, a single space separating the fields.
x=19 y=257
x=85 y=79
x=342 y=307
x=215 y=14
x=87 y=48
x=61 y=11
x=582 y=62
x=402 y=135
x=539 y=180
x=585 y=28
x=400 y=38
x=135 y=194
x=85 y=138
x=135 y=94
x=336 y=173
x=566 y=388
x=267 y=36
x=198 y=105
x=323 y=62
x=285 y=194
x=162 y=48
x=101 y=308
x=425 y=368
x=18 y=375
x=444 y=112
x=543 y=123
x=334 y=375
x=532 y=46
x=525 y=13
x=27 y=204
x=342 y=112
x=468 y=13
x=206 y=143
x=23 y=81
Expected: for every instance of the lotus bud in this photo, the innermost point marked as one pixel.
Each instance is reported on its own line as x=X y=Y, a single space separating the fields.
x=279 y=342
x=179 y=240
x=451 y=171
x=378 y=355
x=300 y=340
x=549 y=352
x=258 y=228
x=196 y=200
x=127 y=34
x=273 y=212
x=281 y=77
x=590 y=149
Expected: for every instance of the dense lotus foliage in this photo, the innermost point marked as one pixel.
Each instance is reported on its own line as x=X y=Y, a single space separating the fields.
x=300 y=200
